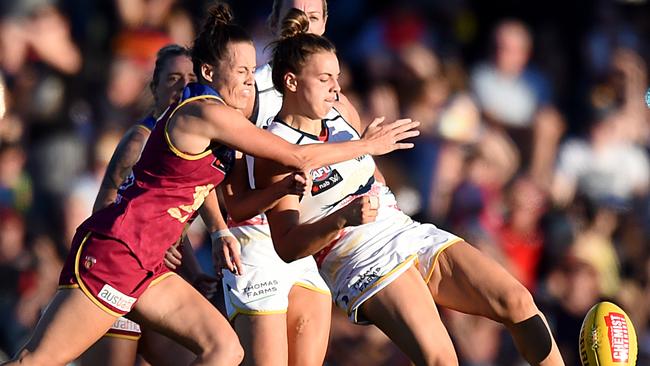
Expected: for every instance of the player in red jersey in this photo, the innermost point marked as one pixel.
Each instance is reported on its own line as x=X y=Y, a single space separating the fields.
x=116 y=265
x=120 y=345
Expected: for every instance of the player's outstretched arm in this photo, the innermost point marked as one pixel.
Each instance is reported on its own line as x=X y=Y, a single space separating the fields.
x=230 y=128
x=243 y=203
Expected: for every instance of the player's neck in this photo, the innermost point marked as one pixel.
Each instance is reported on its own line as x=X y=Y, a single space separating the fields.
x=301 y=122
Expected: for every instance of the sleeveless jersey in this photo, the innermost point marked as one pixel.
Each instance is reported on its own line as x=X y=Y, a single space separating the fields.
x=257 y=228
x=334 y=185
x=363 y=259
x=164 y=191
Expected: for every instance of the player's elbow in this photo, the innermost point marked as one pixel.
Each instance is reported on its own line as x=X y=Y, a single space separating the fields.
x=286 y=252
x=239 y=215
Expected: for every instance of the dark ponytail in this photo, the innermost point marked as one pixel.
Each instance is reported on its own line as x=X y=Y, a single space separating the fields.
x=295 y=45
x=217 y=32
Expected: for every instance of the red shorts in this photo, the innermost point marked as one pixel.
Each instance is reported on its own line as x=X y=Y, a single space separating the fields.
x=108 y=272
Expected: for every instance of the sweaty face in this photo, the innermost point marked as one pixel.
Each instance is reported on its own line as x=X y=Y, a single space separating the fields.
x=176 y=73
x=317 y=84
x=314 y=11
x=234 y=78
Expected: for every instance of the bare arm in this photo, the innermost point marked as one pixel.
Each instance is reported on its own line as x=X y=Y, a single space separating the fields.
x=124 y=158
x=243 y=203
x=229 y=127
x=293 y=240
x=225 y=248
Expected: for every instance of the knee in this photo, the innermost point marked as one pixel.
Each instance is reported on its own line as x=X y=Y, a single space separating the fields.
x=230 y=351
x=515 y=305
x=235 y=353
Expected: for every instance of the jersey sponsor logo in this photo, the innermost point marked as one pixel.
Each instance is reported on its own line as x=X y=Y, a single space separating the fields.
x=115 y=298
x=224 y=158
x=360 y=158
x=619 y=340
x=324 y=178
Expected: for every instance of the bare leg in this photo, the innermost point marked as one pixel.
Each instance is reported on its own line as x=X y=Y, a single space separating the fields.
x=407 y=314
x=71 y=323
x=466 y=280
x=159 y=350
x=111 y=351
x=177 y=310
x=308 y=326
x=264 y=338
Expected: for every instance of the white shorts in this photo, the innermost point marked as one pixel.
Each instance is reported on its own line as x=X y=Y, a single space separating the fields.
x=264 y=287
x=367 y=258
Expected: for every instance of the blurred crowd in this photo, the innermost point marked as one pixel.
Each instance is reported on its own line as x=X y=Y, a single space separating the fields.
x=534 y=147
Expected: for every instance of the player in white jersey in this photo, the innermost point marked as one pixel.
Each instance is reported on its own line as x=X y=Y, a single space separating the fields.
x=281 y=311
x=381 y=266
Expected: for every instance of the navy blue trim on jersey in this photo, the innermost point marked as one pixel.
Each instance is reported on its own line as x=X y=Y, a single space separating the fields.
x=197 y=89
x=148 y=122
x=361 y=190
x=303 y=133
x=340 y=115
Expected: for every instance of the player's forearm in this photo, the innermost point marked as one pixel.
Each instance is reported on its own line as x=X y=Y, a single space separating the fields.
x=211 y=213
x=316 y=155
x=251 y=203
x=307 y=239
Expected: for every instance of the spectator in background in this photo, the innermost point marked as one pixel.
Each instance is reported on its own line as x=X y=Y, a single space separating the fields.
x=16 y=275
x=516 y=97
x=603 y=166
x=40 y=28
x=15 y=184
x=507 y=89
x=520 y=236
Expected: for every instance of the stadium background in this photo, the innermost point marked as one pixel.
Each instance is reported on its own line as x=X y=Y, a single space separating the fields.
x=539 y=159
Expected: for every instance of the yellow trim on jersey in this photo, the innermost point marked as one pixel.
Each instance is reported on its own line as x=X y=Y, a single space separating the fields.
x=83 y=287
x=407 y=261
x=435 y=258
x=143 y=127
x=312 y=288
x=160 y=278
x=122 y=336
x=67 y=287
x=173 y=148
